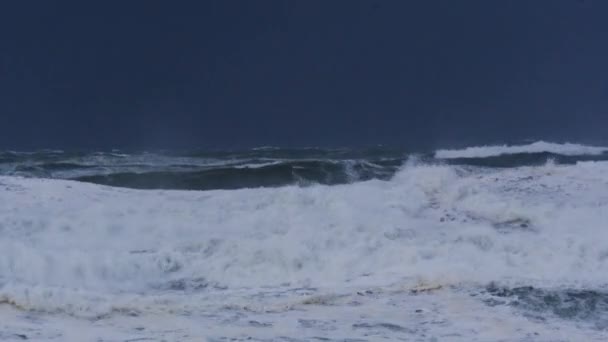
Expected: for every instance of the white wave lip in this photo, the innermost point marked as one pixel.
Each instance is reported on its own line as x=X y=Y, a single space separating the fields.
x=567 y=149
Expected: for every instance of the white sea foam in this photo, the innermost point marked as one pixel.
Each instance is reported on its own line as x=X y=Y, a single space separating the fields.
x=93 y=251
x=566 y=149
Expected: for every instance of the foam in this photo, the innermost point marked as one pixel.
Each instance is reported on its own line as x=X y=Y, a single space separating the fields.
x=91 y=251
x=68 y=234
x=567 y=149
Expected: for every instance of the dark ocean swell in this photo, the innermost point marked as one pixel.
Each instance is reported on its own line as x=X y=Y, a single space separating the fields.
x=271 y=167
x=524 y=159
x=280 y=174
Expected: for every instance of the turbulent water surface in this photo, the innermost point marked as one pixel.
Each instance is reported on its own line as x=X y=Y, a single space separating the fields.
x=494 y=243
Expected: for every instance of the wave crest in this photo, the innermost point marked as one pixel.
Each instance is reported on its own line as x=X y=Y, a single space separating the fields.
x=566 y=149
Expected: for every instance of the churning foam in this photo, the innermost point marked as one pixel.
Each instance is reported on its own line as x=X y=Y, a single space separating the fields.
x=89 y=249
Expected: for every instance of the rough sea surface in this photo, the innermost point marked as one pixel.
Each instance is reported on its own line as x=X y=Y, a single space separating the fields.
x=489 y=243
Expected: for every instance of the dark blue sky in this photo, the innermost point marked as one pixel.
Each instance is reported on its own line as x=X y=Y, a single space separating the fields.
x=186 y=74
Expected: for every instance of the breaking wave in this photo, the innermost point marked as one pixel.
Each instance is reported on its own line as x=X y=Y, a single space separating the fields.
x=567 y=149
x=75 y=247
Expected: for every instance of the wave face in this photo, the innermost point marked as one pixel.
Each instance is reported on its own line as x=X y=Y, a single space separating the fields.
x=271 y=167
x=208 y=170
x=437 y=249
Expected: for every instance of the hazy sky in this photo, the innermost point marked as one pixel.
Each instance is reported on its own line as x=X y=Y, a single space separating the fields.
x=196 y=74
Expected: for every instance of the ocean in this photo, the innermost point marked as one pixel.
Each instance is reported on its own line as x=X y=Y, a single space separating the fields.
x=486 y=243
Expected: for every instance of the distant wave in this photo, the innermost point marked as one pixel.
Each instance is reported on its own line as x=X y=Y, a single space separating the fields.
x=273 y=166
x=566 y=149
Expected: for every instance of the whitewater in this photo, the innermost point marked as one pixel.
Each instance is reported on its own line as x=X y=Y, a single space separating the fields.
x=438 y=251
